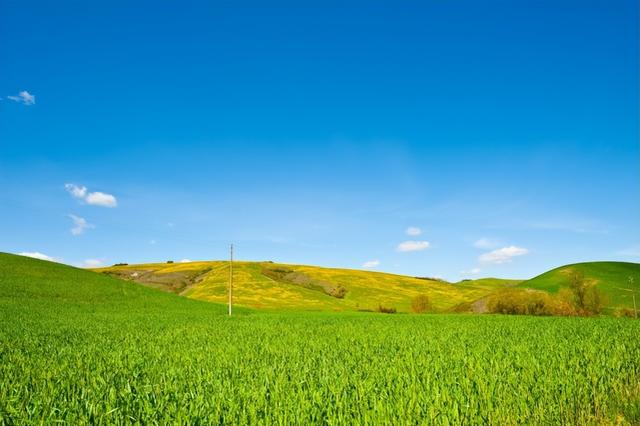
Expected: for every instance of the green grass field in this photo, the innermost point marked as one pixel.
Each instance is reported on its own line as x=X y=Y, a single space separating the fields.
x=83 y=348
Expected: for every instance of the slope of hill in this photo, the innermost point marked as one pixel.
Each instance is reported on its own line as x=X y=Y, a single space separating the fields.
x=612 y=278
x=266 y=285
x=31 y=283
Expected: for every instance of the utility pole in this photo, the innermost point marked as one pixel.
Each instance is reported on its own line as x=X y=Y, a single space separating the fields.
x=230 y=279
x=635 y=310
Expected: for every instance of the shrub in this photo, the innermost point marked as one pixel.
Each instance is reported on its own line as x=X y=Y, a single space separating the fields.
x=593 y=301
x=521 y=302
x=386 y=310
x=625 y=313
x=338 y=292
x=120 y=264
x=169 y=261
x=420 y=304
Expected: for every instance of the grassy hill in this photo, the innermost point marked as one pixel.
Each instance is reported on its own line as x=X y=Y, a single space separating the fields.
x=266 y=285
x=612 y=278
x=78 y=347
x=31 y=283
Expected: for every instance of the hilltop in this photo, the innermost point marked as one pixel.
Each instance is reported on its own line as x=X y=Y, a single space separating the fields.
x=267 y=285
x=611 y=278
x=275 y=286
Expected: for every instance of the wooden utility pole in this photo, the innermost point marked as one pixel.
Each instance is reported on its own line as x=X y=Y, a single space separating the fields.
x=635 y=310
x=230 y=279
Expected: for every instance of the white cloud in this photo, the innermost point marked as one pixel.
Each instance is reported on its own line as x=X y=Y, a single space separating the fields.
x=24 y=98
x=76 y=191
x=96 y=198
x=472 y=271
x=371 y=264
x=37 y=255
x=485 y=243
x=630 y=252
x=92 y=263
x=413 y=231
x=502 y=255
x=101 y=199
x=413 y=246
x=79 y=224
x=186 y=261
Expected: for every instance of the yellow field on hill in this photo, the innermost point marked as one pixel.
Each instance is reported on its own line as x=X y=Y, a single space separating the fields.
x=266 y=285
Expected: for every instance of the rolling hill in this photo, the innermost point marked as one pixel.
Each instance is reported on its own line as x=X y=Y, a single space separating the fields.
x=272 y=286
x=28 y=285
x=266 y=285
x=611 y=278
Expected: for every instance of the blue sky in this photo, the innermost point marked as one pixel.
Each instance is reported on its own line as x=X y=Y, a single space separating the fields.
x=320 y=132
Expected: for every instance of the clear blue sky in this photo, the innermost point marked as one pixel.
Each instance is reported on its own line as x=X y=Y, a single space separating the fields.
x=319 y=132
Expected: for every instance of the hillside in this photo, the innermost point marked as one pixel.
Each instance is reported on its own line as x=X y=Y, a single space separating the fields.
x=612 y=278
x=266 y=285
x=27 y=283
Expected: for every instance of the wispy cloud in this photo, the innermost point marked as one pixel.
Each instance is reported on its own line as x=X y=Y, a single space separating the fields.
x=566 y=224
x=92 y=263
x=371 y=264
x=96 y=198
x=503 y=255
x=24 y=98
x=186 y=260
x=485 y=243
x=633 y=251
x=408 y=246
x=413 y=231
x=472 y=271
x=38 y=255
x=79 y=224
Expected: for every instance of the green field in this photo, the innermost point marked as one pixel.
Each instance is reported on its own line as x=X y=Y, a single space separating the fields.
x=84 y=348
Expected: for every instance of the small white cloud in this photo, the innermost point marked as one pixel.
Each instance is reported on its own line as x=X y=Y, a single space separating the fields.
x=633 y=251
x=96 y=198
x=79 y=224
x=76 y=191
x=101 y=199
x=37 y=255
x=413 y=231
x=413 y=246
x=92 y=263
x=186 y=261
x=371 y=264
x=502 y=255
x=472 y=271
x=485 y=243
x=24 y=98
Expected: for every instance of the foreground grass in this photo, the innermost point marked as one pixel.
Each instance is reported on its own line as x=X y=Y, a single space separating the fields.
x=113 y=352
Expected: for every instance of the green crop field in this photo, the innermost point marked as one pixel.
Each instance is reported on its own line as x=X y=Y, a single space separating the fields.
x=84 y=348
